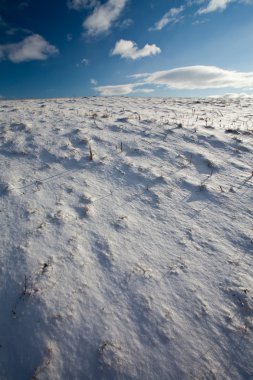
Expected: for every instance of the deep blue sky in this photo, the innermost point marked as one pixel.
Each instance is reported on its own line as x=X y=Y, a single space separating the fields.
x=62 y=48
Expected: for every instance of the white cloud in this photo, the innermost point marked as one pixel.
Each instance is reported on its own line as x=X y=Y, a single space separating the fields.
x=200 y=77
x=129 y=49
x=81 y=4
x=144 y=90
x=93 y=81
x=84 y=62
x=103 y=16
x=215 y=5
x=125 y=23
x=219 y=5
x=233 y=95
x=170 y=17
x=121 y=89
x=31 y=48
x=184 y=78
x=137 y=76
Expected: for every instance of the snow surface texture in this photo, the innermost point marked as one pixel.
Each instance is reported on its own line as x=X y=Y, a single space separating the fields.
x=126 y=239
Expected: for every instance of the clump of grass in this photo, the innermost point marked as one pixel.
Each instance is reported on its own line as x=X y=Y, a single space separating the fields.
x=190 y=159
x=25 y=292
x=45 y=267
x=91 y=153
x=202 y=187
x=87 y=210
x=105 y=345
x=232 y=131
x=210 y=164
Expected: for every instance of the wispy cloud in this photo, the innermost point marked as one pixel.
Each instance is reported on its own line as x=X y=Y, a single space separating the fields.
x=103 y=17
x=94 y=82
x=214 y=5
x=171 y=17
x=2 y=22
x=184 y=78
x=234 y=95
x=125 y=23
x=24 y=4
x=17 y=31
x=31 y=48
x=129 y=50
x=84 y=62
x=199 y=22
x=81 y=4
x=144 y=90
x=121 y=89
x=220 y=5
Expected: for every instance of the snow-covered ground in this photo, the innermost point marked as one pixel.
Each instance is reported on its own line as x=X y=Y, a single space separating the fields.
x=136 y=264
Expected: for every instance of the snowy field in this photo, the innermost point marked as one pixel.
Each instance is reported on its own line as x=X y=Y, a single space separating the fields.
x=126 y=239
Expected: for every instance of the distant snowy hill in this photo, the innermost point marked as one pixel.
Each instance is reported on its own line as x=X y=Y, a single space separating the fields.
x=126 y=239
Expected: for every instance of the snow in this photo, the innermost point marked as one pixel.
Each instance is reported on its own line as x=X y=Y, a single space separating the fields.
x=136 y=264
